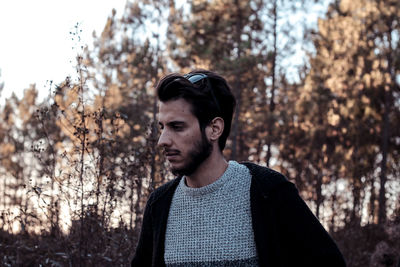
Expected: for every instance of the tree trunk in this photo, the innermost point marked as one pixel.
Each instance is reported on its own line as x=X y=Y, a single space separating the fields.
x=137 y=208
x=318 y=190
x=237 y=88
x=273 y=86
x=333 y=208
x=385 y=130
x=372 y=200
x=384 y=151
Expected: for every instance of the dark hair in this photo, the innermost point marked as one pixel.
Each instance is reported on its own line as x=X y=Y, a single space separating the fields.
x=209 y=97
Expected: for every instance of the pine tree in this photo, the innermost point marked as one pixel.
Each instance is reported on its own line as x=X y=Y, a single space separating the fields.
x=225 y=36
x=350 y=95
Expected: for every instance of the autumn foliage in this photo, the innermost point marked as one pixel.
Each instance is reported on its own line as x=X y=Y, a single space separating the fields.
x=77 y=167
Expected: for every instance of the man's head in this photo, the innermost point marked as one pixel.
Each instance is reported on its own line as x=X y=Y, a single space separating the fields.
x=195 y=110
x=208 y=94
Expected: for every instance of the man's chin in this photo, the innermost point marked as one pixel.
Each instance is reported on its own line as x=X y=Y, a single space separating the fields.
x=178 y=171
x=175 y=168
x=181 y=171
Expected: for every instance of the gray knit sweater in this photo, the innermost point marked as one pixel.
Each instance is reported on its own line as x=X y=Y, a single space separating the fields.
x=211 y=225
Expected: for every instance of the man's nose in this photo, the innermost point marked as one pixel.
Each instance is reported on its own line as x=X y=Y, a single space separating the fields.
x=164 y=140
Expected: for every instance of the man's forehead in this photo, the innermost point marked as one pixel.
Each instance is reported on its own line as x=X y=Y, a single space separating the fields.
x=178 y=105
x=174 y=110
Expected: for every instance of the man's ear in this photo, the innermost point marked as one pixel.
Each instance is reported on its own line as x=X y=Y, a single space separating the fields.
x=215 y=128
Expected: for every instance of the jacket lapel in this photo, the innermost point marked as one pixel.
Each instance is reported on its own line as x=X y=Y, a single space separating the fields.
x=160 y=211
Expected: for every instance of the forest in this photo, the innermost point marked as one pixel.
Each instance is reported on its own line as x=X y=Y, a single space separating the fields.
x=317 y=102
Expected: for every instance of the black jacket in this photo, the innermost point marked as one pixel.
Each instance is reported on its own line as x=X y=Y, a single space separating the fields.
x=285 y=230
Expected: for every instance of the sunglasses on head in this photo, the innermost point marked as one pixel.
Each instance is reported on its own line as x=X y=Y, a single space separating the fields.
x=196 y=77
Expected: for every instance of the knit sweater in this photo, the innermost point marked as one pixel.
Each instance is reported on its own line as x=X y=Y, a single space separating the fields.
x=211 y=225
x=286 y=232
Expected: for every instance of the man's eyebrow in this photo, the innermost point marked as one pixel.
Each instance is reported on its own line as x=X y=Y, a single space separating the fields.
x=175 y=123
x=172 y=123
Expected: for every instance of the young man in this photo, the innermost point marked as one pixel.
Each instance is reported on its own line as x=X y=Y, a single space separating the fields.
x=219 y=213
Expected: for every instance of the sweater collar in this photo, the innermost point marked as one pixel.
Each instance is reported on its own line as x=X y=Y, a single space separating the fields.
x=208 y=189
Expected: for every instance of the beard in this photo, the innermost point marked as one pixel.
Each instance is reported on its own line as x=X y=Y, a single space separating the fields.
x=200 y=152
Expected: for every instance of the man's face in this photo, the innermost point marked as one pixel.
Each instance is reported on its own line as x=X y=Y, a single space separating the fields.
x=184 y=145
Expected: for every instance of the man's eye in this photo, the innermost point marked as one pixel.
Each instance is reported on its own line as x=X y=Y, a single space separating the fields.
x=177 y=127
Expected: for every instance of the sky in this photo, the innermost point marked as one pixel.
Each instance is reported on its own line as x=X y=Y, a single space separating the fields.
x=35 y=42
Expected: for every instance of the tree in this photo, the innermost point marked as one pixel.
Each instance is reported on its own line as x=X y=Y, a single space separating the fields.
x=126 y=71
x=226 y=37
x=352 y=68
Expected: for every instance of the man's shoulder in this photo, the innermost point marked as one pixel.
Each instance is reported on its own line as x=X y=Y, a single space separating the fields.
x=266 y=179
x=164 y=190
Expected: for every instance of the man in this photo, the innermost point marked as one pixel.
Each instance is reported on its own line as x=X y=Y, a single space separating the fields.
x=219 y=213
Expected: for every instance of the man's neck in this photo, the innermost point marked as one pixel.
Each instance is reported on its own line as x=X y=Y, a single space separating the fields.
x=209 y=171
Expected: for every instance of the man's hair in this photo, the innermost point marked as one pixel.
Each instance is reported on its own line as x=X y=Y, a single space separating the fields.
x=208 y=94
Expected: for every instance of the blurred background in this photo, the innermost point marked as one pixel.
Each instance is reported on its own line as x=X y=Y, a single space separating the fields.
x=318 y=90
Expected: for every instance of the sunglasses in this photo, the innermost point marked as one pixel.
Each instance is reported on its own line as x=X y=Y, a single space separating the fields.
x=197 y=77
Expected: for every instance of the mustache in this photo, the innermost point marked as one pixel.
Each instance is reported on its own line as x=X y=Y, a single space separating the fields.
x=171 y=152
